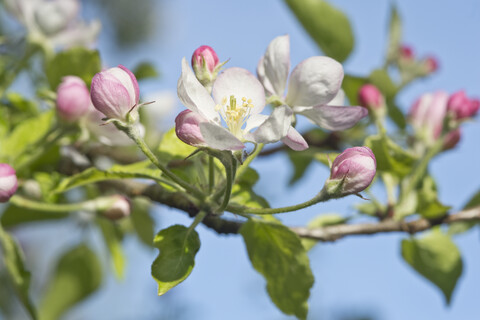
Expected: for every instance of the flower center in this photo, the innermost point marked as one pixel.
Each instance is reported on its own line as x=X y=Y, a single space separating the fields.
x=235 y=115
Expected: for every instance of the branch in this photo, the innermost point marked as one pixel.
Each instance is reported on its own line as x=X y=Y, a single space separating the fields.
x=327 y=234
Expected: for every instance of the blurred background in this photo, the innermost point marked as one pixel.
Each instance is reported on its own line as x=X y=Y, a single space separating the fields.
x=360 y=277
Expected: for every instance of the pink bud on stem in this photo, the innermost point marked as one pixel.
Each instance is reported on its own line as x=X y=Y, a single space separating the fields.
x=352 y=171
x=115 y=92
x=371 y=98
x=8 y=182
x=461 y=107
x=187 y=128
x=73 y=99
x=204 y=55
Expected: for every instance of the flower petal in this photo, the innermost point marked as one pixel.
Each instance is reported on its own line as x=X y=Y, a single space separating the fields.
x=263 y=78
x=314 y=81
x=339 y=99
x=294 y=140
x=255 y=121
x=194 y=96
x=276 y=65
x=239 y=83
x=274 y=128
x=218 y=137
x=333 y=118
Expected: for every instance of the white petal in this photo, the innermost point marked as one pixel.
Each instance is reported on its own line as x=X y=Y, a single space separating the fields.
x=218 y=137
x=255 y=121
x=333 y=118
x=339 y=99
x=294 y=140
x=274 y=128
x=314 y=81
x=194 y=96
x=241 y=84
x=276 y=63
x=263 y=78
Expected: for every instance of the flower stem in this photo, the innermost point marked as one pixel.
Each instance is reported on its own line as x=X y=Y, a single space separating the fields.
x=198 y=218
x=230 y=175
x=211 y=174
x=243 y=168
x=322 y=196
x=133 y=134
x=98 y=204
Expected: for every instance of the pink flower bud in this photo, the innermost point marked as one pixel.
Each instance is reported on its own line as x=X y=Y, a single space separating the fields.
x=73 y=99
x=8 y=182
x=427 y=115
x=115 y=92
x=452 y=139
x=207 y=54
x=120 y=209
x=187 y=128
x=406 y=52
x=431 y=64
x=461 y=106
x=352 y=171
x=370 y=97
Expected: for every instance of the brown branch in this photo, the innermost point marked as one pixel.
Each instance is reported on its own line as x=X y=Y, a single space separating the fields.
x=326 y=234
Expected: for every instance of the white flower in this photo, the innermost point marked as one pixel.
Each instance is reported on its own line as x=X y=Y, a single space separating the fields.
x=313 y=89
x=238 y=99
x=53 y=23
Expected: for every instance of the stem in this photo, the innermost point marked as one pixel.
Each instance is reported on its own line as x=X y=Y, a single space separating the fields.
x=133 y=134
x=246 y=163
x=322 y=196
x=198 y=218
x=97 y=204
x=230 y=175
x=211 y=174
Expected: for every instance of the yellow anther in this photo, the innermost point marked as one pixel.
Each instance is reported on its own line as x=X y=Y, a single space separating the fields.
x=244 y=99
x=249 y=101
x=250 y=105
x=218 y=107
x=224 y=100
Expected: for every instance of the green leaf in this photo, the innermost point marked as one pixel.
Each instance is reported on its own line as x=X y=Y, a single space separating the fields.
x=328 y=26
x=429 y=206
x=395 y=35
x=436 y=258
x=245 y=196
x=351 y=85
x=277 y=253
x=173 y=148
x=14 y=216
x=381 y=79
x=79 y=61
x=142 y=221
x=77 y=275
x=390 y=156
x=13 y=148
x=113 y=240
x=145 y=70
x=321 y=221
x=91 y=175
x=178 y=246
x=301 y=161
x=473 y=202
x=19 y=275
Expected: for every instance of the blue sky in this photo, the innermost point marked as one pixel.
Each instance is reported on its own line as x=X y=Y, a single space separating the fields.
x=363 y=275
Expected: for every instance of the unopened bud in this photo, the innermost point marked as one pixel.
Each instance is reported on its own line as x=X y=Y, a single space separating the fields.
x=115 y=92
x=406 y=53
x=73 y=99
x=461 y=106
x=451 y=139
x=431 y=64
x=120 y=208
x=8 y=182
x=206 y=65
x=352 y=171
x=187 y=128
x=371 y=98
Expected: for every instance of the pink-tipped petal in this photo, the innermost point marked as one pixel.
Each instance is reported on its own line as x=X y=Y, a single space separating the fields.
x=295 y=140
x=314 y=81
x=274 y=128
x=334 y=118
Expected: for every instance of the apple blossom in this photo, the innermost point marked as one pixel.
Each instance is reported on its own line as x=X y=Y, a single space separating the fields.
x=314 y=83
x=53 y=23
x=204 y=56
x=115 y=92
x=238 y=98
x=8 y=182
x=73 y=99
x=352 y=171
x=120 y=208
x=461 y=107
